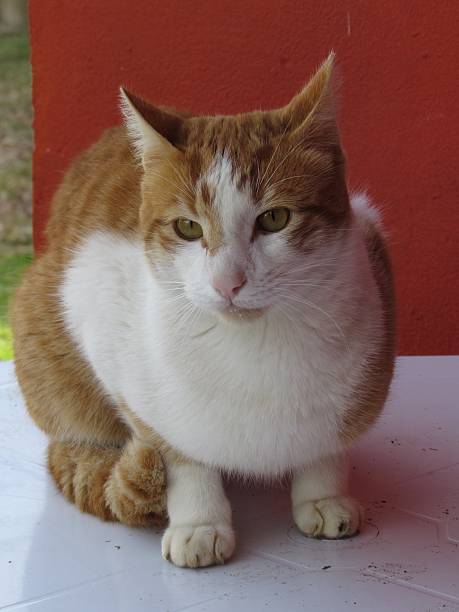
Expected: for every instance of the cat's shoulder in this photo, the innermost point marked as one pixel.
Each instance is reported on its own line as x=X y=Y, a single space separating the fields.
x=99 y=191
x=365 y=212
x=370 y=223
x=369 y=220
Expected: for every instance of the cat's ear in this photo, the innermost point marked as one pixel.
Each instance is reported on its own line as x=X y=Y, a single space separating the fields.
x=312 y=112
x=155 y=133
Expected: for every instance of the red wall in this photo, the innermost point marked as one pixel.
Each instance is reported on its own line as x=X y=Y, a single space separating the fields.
x=400 y=111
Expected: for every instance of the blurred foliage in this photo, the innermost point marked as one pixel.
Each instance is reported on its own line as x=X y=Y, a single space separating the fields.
x=12 y=266
x=15 y=172
x=15 y=141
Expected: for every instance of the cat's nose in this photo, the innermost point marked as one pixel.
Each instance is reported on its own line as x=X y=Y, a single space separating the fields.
x=228 y=285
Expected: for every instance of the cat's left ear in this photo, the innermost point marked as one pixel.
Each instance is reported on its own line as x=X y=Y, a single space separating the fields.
x=155 y=133
x=312 y=112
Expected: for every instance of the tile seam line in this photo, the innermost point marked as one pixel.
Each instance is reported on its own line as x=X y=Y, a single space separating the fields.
x=54 y=594
x=197 y=603
x=294 y=565
x=414 y=587
x=428 y=473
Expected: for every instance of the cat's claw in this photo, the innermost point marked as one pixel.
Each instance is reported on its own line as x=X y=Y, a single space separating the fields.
x=333 y=517
x=198 y=546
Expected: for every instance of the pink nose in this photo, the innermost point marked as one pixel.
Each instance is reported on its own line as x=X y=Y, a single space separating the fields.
x=229 y=285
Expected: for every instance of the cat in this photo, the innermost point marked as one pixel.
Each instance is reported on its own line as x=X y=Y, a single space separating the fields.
x=211 y=300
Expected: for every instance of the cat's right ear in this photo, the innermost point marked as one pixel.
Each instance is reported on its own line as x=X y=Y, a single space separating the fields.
x=155 y=133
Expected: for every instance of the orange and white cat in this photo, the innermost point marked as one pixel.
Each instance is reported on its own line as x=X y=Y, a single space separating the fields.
x=212 y=300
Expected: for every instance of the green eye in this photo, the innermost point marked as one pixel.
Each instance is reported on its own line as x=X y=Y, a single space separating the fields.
x=273 y=220
x=187 y=229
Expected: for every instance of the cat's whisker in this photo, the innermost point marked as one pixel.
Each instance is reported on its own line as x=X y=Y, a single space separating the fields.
x=190 y=326
x=257 y=176
x=174 y=294
x=326 y=314
x=263 y=336
x=195 y=319
x=300 y=273
x=288 y=178
x=203 y=333
x=169 y=182
x=293 y=273
x=286 y=156
x=182 y=325
x=260 y=182
x=186 y=306
x=175 y=300
x=285 y=309
x=301 y=315
x=173 y=288
x=186 y=315
x=305 y=284
x=180 y=308
x=189 y=188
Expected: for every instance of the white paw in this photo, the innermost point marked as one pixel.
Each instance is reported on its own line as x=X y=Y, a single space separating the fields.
x=189 y=546
x=333 y=517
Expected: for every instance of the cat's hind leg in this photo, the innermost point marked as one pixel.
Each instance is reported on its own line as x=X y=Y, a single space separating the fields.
x=320 y=502
x=116 y=484
x=93 y=455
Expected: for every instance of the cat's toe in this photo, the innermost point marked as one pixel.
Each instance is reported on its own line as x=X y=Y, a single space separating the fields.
x=198 y=546
x=333 y=517
x=308 y=519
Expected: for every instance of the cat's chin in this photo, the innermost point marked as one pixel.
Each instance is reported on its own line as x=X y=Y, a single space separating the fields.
x=234 y=314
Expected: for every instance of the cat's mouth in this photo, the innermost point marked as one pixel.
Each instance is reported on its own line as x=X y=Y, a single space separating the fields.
x=235 y=313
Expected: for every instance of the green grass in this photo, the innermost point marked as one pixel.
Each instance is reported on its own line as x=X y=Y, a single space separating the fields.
x=12 y=267
x=15 y=76
x=15 y=140
x=15 y=172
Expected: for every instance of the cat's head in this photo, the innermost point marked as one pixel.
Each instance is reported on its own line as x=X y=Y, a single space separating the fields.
x=236 y=209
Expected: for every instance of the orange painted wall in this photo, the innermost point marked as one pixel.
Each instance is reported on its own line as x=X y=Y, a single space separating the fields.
x=400 y=109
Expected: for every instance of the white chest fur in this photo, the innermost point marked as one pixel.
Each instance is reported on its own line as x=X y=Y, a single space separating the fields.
x=258 y=397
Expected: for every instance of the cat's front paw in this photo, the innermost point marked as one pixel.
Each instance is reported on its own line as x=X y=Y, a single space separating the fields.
x=333 y=517
x=198 y=546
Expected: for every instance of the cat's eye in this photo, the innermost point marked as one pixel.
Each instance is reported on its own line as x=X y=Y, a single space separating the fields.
x=187 y=229
x=273 y=220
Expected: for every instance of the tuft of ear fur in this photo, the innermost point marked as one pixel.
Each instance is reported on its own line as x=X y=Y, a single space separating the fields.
x=154 y=132
x=312 y=112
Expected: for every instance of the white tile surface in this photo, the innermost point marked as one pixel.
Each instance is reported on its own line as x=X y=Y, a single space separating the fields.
x=406 y=470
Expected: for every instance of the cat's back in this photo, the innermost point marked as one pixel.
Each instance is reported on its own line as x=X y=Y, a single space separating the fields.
x=99 y=191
